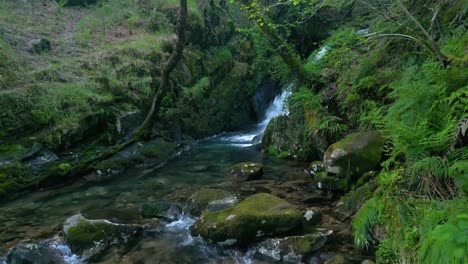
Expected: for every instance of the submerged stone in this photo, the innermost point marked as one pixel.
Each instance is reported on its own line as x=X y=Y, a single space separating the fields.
x=354 y=155
x=161 y=210
x=259 y=215
x=212 y=200
x=246 y=171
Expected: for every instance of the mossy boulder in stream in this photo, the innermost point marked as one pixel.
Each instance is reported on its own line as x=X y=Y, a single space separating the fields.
x=94 y=237
x=354 y=155
x=246 y=171
x=259 y=215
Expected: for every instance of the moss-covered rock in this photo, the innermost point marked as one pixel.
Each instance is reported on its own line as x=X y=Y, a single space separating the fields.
x=208 y=199
x=354 y=155
x=246 y=171
x=352 y=201
x=84 y=235
x=326 y=182
x=259 y=215
x=294 y=248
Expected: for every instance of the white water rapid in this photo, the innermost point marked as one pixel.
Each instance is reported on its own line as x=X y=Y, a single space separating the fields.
x=246 y=138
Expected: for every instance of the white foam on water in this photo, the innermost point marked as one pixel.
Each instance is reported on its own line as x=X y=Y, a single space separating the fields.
x=68 y=256
x=277 y=108
x=184 y=223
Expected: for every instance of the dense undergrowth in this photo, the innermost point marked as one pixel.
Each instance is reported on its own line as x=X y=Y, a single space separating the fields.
x=368 y=73
x=362 y=81
x=72 y=71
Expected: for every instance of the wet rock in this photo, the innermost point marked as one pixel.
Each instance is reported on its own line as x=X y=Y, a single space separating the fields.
x=352 y=201
x=116 y=215
x=257 y=139
x=354 y=155
x=127 y=122
x=264 y=97
x=337 y=259
x=161 y=210
x=31 y=253
x=43 y=159
x=259 y=215
x=39 y=46
x=92 y=238
x=246 y=171
x=316 y=167
x=210 y=200
x=12 y=153
x=294 y=248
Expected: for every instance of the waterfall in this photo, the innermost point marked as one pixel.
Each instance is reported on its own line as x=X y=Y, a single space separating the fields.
x=320 y=54
x=246 y=138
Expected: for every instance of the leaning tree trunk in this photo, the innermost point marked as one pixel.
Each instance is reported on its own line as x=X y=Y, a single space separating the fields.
x=145 y=128
x=148 y=123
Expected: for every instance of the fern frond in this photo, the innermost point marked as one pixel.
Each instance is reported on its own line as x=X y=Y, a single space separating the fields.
x=435 y=165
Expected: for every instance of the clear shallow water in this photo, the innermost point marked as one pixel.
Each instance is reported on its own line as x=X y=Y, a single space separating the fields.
x=38 y=216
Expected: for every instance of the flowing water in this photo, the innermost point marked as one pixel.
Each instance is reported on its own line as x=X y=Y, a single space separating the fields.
x=38 y=216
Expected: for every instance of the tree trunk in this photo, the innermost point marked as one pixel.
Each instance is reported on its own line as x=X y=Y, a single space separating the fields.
x=148 y=123
x=145 y=128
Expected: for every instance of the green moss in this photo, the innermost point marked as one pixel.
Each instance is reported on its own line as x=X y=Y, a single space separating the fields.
x=257 y=215
x=64 y=166
x=272 y=151
x=284 y=155
x=86 y=234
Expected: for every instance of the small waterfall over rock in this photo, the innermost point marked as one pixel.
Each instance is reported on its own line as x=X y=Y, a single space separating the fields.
x=252 y=136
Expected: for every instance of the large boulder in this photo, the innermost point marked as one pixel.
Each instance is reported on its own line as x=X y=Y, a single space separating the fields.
x=212 y=200
x=257 y=216
x=294 y=248
x=246 y=171
x=354 y=155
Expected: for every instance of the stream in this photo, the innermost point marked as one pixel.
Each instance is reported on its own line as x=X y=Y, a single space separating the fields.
x=38 y=216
